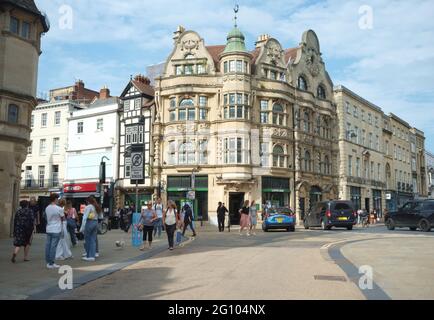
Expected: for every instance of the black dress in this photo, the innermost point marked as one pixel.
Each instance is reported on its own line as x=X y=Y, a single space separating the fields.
x=23 y=227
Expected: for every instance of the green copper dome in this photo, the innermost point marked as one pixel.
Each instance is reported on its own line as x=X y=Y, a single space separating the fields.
x=235 y=41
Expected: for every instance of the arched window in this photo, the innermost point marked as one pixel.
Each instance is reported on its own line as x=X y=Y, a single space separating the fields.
x=187 y=153
x=307 y=161
x=278 y=157
x=306 y=121
x=302 y=84
x=321 y=93
x=13 y=113
x=326 y=165
x=318 y=125
x=278 y=115
x=186 y=110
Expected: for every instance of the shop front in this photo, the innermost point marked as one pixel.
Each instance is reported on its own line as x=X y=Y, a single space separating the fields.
x=79 y=192
x=275 y=191
x=182 y=189
x=356 y=197
x=378 y=202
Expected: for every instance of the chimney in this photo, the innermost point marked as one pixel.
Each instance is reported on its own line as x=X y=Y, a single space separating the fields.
x=261 y=40
x=178 y=33
x=104 y=93
x=142 y=79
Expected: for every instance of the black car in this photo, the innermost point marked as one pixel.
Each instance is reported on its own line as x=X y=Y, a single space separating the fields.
x=330 y=214
x=417 y=214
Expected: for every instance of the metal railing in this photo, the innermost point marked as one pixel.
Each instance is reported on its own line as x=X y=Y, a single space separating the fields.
x=32 y=184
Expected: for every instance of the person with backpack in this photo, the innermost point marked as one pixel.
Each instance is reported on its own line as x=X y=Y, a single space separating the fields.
x=188 y=219
x=170 y=221
x=158 y=224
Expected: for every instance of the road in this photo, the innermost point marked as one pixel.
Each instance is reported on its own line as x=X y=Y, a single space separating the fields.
x=306 y=264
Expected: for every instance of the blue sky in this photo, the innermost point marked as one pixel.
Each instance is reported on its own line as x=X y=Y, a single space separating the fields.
x=391 y=64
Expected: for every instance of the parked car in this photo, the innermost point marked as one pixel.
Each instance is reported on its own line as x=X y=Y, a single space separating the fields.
x=279 y=218
x=417 y=214
x=330 y=214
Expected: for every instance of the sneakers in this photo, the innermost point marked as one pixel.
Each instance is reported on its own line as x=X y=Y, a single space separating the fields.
x=84 y=254
x=248 y=234
x=53 y=266
x=96 y=255
x=88 y=259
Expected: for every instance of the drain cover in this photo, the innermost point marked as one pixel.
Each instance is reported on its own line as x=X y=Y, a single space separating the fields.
x=330 y=278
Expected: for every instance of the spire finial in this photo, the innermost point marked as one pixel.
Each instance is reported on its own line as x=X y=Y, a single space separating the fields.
x=236 y=9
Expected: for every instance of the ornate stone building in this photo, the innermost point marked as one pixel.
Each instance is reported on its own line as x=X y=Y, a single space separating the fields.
x=21 y=27
x=234 y=124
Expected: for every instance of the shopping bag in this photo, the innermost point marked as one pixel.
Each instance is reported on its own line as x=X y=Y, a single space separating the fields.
x=178 y=237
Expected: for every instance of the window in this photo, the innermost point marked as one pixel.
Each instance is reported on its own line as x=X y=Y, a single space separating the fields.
x=232 y=66
x=42 y=147
x=13 y=113
x=203 y=103
x=238 y=106
x=348 y=107
x=321 y=92
x=236 y=150
x=278 y=115
x=357 y=137
x=25 y=30
x=55 y=175
x=307 y=161
x=57 y=118
x=362 y=115
x=327 y=166
x=172 y=152
x=56 y=145
x=203 y=152
x=356 y=112
x=366 y=166
x=225 y=64
x=264 y=111
x=127 y=105
x=138 y=103
x=369 y=118
x=264 y=154
x=187 y=153
x=370 y=141
x=186 y=110
x=14 y=26
x=278 y=157
x=302 y=84
x=100 y=125
x=377 y=143
x=188 y=69
x=239 y=66
x=350 y=166
x=273 y=75
x=358 y=173
x=44 y=118
x=32 y=121
x=80 y=127
x=30 y=148
x=306 y=122
x=178 y=70
x=41 y=176
x=379 y=172
x=201 y=69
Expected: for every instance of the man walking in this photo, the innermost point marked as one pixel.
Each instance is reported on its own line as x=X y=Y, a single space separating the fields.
x=55 y=216
x=188 y=219
x=158 y=224
x=221 y=215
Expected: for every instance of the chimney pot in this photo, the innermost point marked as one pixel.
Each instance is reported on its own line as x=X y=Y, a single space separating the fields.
x=104 y=93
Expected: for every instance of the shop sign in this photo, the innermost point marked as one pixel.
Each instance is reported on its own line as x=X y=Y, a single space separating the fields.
x=80 y=187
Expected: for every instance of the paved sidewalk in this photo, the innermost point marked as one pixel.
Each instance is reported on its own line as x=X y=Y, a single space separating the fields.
x=24 y=280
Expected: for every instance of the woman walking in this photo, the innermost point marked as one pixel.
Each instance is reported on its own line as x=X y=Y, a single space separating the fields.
x=63 y=251
x=158 y=227
x=147 y=224
x=245 y=219
x=71 y=221
x=170 y=221
x=89 y=227
x=54 y=215
x=253 y=212
x=24 y=223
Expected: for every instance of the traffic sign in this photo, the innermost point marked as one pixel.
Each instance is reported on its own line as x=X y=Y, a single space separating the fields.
x=136 y=166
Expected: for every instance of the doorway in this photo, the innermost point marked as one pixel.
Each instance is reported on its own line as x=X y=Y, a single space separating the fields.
x=367 y=206
x=236 y=201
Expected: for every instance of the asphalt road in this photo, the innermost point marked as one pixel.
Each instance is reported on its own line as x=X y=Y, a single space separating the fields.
x=306 y=264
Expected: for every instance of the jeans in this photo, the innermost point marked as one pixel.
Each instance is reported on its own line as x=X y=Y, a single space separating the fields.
x=170 y=234
x=158 y=227
x=71 y=225
x=51 y=246
x=221 y=222
x=90 y=239
x=186 y=224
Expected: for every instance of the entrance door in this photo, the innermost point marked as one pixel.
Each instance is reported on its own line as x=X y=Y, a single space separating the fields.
x=236 y=201
x=367 y=205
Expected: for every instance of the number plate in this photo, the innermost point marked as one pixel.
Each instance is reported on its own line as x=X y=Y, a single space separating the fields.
x=279 y=220
x=343 y=218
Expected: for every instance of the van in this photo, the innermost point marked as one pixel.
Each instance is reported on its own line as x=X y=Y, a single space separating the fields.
x=330 y=214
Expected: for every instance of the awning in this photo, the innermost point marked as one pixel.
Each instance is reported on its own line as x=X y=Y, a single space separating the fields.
x=81 y=195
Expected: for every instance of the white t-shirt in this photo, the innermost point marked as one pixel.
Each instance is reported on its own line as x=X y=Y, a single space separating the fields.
x=170 y=217
x=54 y=222
x=159 y=210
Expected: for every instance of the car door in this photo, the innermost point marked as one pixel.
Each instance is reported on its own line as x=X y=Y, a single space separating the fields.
x=414 y=215
x=401 y=217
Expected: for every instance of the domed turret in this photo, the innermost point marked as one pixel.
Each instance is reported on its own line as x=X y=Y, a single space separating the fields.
x=235 y=41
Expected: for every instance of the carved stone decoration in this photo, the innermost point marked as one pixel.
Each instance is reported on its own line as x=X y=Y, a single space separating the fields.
x=189 y=45
x=274 y=53
x=312 y=62
x=280 y=133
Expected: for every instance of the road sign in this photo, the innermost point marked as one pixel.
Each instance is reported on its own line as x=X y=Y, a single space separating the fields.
x=136 y=166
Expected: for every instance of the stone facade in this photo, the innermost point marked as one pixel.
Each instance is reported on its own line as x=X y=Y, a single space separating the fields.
x=21 y=27
x=247 y=125
x=429 y=158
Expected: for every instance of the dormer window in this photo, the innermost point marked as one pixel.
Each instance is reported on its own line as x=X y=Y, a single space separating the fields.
x=13 y=113
x=321 y=92
x=302 y=84
x=14 y=25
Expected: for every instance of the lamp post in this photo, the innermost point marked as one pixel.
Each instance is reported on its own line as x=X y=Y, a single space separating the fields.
x=102 y=177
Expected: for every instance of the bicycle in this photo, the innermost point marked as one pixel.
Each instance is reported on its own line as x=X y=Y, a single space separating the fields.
x=364 y=222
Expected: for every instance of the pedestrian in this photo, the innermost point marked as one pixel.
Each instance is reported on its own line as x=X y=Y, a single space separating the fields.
x=89 y=227
x=71 y=221
x=158 y=225
x=24 y=224
x=221 y=215
x=244 y=219
x=170 y=221
x=253 y=213
x=36 y=212
x=54 y=215
x=375 y=216
x=146 y=223
x=359 y=215
x=63 y=250
x=188 y=219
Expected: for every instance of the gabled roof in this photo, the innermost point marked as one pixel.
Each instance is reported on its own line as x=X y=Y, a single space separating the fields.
x=144 y=88
x=291 y=54
x=215 y=52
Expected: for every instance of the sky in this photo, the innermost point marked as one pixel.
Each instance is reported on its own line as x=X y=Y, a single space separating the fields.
x=383 y=50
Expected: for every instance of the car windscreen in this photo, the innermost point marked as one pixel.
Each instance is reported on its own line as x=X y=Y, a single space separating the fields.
x=342 y=206
x=284 y=211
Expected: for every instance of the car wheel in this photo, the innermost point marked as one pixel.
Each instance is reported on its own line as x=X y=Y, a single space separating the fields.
x=390 y=224
x=292 y=229
x=424 y=226
x=265 y=230
x=306 y=226
x=350 y=228
x=413 y=228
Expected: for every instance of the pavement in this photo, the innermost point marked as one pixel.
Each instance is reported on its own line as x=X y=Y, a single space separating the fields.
x=305 y=264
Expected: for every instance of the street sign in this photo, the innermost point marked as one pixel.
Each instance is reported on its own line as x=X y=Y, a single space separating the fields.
x=191 y=195
x=136 y=166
